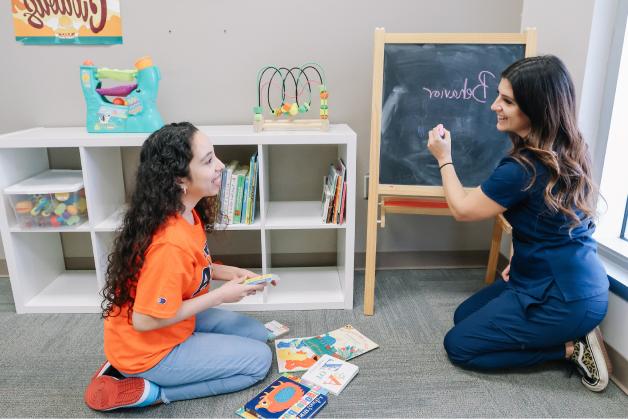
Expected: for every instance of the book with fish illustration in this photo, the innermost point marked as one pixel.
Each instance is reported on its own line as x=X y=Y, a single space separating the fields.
x=344 y=343
x=285 y=397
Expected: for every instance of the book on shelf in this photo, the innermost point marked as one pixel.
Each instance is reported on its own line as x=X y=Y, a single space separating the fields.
x=286 y=397
x=344 y=202
x=294 y=355
x=325 y=198
x=227 y=191
x=240 y=175
x=221 y=194
x=245 y=195
x=251 y=197
x=238 y=192
x=344 y=343
x=340 y=171
x=233 y=189
x=330 y=373
x=332 y=196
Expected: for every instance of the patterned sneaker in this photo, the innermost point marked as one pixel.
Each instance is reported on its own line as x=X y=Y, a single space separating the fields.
x=591 y=359
x=107 y=393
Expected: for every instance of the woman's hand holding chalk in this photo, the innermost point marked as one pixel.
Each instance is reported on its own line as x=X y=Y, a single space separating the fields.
x=441 y=131
x=439 y=144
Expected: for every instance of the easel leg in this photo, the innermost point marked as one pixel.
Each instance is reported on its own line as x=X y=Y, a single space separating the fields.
x=371 y=252
x=494 y=252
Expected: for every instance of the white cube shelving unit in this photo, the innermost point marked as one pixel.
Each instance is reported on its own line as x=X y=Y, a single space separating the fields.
x=35 y=258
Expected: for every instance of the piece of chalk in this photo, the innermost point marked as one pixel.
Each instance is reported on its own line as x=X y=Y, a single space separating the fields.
x=441 y=130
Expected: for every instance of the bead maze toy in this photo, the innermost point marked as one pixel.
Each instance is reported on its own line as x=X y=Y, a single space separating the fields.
x=291 y=92
x=132 y=107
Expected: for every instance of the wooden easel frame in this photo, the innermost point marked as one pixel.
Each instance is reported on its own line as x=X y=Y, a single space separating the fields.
x=377 y=190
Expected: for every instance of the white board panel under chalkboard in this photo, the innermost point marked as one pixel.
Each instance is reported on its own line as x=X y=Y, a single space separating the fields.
x=452 y=84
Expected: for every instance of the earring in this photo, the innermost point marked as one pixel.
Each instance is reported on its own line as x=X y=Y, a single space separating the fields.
x=185 y=190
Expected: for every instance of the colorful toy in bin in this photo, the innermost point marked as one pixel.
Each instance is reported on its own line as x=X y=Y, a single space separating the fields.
x=124 y=108
x=54 y=198
x=289 y=94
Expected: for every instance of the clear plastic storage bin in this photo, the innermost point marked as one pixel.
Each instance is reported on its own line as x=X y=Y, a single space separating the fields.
x=54 y=198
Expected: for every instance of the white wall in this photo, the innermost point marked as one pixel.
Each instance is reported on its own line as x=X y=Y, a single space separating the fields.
x=209 y=53
x=583 y=39
x=563 y=29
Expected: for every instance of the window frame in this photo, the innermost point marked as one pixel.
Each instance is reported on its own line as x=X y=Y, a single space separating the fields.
x=610 y=236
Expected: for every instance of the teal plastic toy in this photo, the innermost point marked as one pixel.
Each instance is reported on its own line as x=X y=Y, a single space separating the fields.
x=133 y=107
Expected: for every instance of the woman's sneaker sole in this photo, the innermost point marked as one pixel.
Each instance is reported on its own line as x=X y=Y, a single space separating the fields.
x=600 y=358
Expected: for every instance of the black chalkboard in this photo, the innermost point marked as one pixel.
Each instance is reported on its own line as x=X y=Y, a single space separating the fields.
x=452 y=84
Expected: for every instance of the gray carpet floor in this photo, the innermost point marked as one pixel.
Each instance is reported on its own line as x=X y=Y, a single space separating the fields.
x=46 y=361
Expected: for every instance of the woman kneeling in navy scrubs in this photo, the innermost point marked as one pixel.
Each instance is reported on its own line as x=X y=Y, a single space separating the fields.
x=554 y=293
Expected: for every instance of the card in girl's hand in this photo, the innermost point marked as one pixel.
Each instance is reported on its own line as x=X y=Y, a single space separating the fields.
x=260 y=279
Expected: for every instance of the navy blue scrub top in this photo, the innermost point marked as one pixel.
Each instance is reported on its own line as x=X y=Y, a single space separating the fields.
x=544 y=252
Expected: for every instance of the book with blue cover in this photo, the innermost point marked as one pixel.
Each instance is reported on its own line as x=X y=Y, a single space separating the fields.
x=285 y=398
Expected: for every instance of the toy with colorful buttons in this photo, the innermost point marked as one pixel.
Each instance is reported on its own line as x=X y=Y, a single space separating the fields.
x=124 y=108
x=288 y=94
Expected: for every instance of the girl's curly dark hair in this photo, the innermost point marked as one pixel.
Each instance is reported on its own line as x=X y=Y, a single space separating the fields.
x=164 y=159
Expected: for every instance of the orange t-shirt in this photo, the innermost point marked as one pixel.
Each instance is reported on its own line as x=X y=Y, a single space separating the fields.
x=177 y=267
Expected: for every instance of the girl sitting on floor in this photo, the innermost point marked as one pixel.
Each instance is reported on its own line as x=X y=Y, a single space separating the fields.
x=164 y=340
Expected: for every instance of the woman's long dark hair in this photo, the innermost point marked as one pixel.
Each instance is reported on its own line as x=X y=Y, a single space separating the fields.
x=544 y=91
x=164 y=160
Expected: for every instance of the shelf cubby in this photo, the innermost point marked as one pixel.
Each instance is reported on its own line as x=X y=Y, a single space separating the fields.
x=49 y=287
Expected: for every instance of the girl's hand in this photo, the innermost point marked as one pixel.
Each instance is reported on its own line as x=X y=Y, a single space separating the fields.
x=439 y=147
x=234 y=290
x=249 y=274
x=245 y=273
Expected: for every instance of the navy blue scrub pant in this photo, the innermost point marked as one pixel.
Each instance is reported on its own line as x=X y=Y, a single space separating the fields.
x=494 y=329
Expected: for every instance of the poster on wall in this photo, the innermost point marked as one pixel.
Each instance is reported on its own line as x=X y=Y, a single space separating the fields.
x=73 y=22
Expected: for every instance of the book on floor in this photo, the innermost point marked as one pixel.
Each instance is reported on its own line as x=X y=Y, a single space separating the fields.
x=276 y=329
x=344 y=343
x=330 y=373
x=285 y=397
x=294 y=355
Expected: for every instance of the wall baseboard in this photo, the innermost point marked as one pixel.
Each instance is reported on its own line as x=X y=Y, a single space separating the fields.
x=430 y=260
x=385 y=260
x=620 y=368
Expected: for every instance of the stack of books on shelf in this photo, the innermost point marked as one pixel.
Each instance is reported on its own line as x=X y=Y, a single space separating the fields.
x=334 y=195
x=238 y=192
